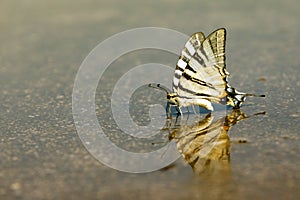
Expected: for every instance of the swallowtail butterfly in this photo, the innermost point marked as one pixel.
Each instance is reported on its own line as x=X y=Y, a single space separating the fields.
x=201 y=76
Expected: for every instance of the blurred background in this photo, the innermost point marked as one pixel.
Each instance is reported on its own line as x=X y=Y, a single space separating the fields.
x=43 y=44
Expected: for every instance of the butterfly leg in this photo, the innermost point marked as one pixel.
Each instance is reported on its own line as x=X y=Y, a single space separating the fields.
x=179 y=112
x=175 y=124
x=169 y=110
x=181 y=115
x=178 y=109
x=194 y=109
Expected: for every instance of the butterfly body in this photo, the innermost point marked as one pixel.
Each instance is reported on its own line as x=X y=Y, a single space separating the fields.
x=185 y=101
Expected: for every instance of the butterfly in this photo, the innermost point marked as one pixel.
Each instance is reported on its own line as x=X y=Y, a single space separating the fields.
x=201 y=77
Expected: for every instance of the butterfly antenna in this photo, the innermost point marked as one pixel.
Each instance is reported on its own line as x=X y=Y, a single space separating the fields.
x=159 y=86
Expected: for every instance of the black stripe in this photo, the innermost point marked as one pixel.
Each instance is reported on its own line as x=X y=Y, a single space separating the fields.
x=190 y=68
x=183 y=56
x=195 y=80
x=178 y=68
x=199 y=59
x=193 y=93
x=211 y=45
x=203 y=52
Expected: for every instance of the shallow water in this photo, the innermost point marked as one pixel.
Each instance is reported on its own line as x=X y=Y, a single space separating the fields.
x=44 y=43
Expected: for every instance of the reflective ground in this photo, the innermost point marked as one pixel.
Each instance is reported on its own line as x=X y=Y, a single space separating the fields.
x=43 y=45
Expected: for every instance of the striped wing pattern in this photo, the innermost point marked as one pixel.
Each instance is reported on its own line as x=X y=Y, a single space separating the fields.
x=204 y=144
x=200 y=71
x=201 y=76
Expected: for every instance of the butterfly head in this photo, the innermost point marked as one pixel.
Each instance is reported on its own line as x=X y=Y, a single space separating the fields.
x=172 y=97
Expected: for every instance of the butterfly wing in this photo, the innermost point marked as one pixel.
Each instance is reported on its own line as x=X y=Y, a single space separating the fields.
x=188 y=51
x=200 y=71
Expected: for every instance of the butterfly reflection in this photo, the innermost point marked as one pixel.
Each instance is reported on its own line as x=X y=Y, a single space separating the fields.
x=205 y=144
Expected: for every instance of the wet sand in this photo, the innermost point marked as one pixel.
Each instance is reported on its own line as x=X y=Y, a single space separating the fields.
x=44 y=43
